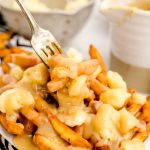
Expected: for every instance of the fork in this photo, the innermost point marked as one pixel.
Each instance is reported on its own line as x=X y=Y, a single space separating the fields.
x=42 y=41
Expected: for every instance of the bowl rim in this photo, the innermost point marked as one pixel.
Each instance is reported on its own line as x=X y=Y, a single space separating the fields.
x=54 y=11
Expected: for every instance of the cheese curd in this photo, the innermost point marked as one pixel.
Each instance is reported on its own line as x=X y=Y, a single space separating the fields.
x=106 y=122
x=36 y=75
x=73 y=53
x=115 y=80
x=116 y=97
x=76 y=86
x=12 y=100
x=17 y=72
x=138 y=99
x=132 y=145
x=127 y=121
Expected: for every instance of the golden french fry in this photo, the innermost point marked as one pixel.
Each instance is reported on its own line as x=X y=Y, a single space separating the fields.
x=6 y=68
x=24 y=60
x=2 y=45
x=134 y=108
x=142 y=136
x=18 y=50
x=131 y=90
x=43 y=143
x=102 y=78
x=94 y=53
x=41 y=105
x=66 y=133
x=97 y=87
x=88 y=67
x=7 y=59
x=104 y=147
x=4 y=52
x=11 y=126
x=146 y=112
x=32 y=115
x=148 y=127
x=54 y=60
x=5 y=36
x=1 y=81
x=56 y=85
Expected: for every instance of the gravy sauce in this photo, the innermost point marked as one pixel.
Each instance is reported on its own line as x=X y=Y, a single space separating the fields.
x=24 y=142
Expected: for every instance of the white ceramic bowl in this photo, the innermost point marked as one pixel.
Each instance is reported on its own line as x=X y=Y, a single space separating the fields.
x=63 y=24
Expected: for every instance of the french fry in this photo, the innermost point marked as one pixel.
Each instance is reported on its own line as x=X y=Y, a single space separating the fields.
x=32 y=115
x=44 y=144
x=131 y=90
x=142 y=136
x=146 y=112
x=66 y=133
x=148 y=127
x=2 y=45
x=54 y=60
x=5 y=36
x=96 y=55
x=134 y=108
x=18 y=50
x=5 y=67
x=7 y=59
x=56 y=85
x=97 y=87
x=104 y=147
x=102 y=78
x=11 y=126
x=24 y=60
x=88 y=67
x=4 y=52
x=1 y=81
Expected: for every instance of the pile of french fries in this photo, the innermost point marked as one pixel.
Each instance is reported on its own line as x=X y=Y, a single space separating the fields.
x=77 y=104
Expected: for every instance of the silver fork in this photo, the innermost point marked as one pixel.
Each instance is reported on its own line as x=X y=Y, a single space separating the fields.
x=42 y=41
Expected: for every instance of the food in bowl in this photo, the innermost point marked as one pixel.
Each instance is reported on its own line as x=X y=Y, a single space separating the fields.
x=64 y=24
x=76 y=105
x=41 y=5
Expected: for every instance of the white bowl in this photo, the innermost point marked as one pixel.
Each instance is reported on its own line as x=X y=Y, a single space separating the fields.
x=63 y=24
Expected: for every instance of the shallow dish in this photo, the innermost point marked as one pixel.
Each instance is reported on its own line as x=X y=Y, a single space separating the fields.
x=63 y=24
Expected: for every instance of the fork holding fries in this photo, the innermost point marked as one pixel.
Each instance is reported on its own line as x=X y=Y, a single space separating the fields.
x=77 y=105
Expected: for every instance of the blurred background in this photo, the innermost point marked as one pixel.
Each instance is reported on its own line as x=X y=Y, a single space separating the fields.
x=88 y=26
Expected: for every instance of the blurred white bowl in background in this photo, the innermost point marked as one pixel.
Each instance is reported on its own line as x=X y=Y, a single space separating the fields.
x=64 y=24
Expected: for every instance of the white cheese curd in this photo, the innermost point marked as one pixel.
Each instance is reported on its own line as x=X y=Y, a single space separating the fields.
x=12 y=100
x=75 y=54
x=116 y=97
x=106 y=122
x=127 y=121
x=115 y=80
x=132 y=145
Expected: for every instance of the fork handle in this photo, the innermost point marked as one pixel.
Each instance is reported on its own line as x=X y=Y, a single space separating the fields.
x=34 y=26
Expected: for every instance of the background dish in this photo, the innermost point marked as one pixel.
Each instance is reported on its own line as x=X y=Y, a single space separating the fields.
x=63 y=24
